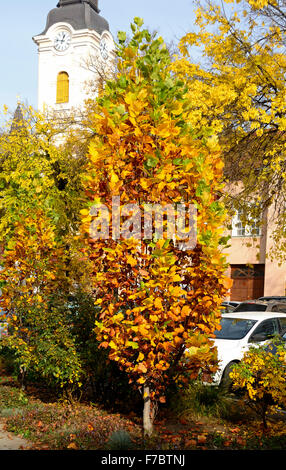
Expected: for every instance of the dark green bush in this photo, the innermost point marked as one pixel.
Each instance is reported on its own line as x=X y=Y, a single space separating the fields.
x=103 y=381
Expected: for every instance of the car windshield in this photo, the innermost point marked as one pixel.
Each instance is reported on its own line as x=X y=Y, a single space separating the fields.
x=234 y=328
x=251 y=307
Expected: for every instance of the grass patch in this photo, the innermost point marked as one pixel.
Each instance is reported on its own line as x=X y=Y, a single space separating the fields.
x=199 y=400
x=59 y=426
x=12 y=398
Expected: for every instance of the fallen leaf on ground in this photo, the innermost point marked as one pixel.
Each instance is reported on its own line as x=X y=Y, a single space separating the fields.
x=72 y=445
x=201 y=439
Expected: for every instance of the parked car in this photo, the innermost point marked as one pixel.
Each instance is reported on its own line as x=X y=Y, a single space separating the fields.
x=233 y=303
x=226 y=307
x=238 y=333
x=280 y=298
x=261 y=306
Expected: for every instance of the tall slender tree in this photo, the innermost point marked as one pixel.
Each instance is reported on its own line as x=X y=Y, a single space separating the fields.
x=40 y=196
x=159 y=302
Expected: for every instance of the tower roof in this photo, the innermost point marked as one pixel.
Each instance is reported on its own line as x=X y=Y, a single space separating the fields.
x=80 y=14
x=92 y=3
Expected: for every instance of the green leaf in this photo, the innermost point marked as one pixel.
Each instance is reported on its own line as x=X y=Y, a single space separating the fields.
x=120 y=109
x=132 y=344
x=121 y=35
x=151 y=161
x=122 y=82
x=138 y=21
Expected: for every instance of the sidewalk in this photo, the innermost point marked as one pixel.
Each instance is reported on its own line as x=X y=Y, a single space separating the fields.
x=9 y=441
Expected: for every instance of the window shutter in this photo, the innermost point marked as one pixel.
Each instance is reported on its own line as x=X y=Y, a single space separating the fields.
x=63 y=87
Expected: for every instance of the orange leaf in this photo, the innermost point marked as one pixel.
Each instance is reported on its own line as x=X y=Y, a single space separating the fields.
x=227 y=443
x=227 y=283
x=132 y=261
x=142 y=368
x=185 y=310
x=191 y=442
x=178 y=340
x=184 y=422
x=72 y=446
x=235 y=430
x=143 y=273
x=201 y=439
x=167 y=347
x=158 y=303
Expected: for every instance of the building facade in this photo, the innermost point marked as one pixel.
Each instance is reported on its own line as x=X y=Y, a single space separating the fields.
x=254 y=274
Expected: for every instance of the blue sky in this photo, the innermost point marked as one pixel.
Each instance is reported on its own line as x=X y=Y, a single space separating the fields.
x=22 y=19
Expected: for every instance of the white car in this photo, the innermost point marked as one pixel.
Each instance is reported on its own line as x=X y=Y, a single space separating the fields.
x=240 y=331
x=233 y=303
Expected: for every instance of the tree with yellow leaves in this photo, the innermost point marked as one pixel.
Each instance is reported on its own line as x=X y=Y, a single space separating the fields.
x=34 y=295
x=159 y=301
x=38 y=188
x=238 y=88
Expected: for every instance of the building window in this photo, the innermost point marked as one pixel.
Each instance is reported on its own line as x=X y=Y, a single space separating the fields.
x=241 y=230
x=63 y=87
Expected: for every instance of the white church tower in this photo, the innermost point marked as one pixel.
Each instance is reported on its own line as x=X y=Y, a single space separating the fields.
x=74 y=33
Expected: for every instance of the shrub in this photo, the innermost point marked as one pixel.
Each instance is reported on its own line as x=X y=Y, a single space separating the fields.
x=7 y=361
x=262 y=376
x=119 y=440
x=103 y=380
x=201 y=400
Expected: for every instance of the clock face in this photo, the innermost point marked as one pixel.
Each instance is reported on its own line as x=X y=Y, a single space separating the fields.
x=62 y=41
x=104 y=49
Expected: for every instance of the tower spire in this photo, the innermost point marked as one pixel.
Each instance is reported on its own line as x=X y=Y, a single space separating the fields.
x=18 y=120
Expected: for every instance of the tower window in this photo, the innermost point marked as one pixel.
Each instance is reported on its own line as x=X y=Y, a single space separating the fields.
x=63 y=87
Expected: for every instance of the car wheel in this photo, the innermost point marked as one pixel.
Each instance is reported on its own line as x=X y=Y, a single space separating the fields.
x=226 y=381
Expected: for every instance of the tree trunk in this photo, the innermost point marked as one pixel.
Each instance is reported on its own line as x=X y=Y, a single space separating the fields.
x=22 y=377
x=264 y=411
x=147 y=412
